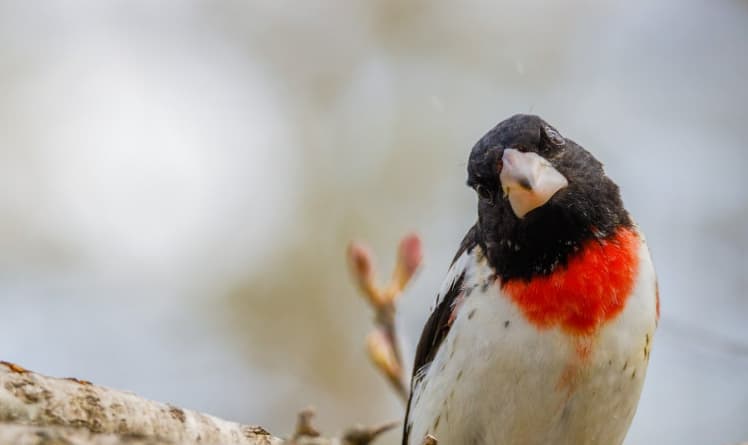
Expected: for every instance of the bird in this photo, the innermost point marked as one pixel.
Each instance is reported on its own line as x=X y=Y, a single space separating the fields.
x=542 y=330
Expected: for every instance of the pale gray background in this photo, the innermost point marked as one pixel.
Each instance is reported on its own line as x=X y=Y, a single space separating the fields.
x=178 y=180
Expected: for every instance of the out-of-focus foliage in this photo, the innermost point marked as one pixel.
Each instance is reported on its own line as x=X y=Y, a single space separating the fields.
x=178 y=183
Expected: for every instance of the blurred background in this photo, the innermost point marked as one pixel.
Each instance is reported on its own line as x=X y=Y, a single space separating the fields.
x=179 y=180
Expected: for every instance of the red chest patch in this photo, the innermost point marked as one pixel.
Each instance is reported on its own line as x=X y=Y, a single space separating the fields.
x=590 y=290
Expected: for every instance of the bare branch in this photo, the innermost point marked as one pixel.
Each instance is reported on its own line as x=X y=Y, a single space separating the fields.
x=15 y=434
x=33 y=399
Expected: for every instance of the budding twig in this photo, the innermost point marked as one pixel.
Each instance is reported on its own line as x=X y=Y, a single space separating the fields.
x=307 y=434
x=429 y=440
x=359 y=435
x=382 y=343
x=304 y=427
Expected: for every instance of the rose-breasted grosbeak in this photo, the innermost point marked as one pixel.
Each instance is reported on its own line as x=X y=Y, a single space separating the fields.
x=542 y=330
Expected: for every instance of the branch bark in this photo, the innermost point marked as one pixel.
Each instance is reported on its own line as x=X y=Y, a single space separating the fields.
x=36 y=409
x=73 y=407
x=17 y=434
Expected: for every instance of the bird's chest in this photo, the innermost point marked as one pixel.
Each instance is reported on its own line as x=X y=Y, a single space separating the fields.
x=498 y=378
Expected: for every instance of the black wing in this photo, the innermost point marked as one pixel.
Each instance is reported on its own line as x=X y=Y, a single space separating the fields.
x=468 y=243
x=437 y=326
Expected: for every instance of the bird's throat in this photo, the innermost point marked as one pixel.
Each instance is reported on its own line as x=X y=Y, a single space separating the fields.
x=589 y=290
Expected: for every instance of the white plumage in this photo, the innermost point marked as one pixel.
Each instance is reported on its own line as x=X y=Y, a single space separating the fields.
x=498 y=379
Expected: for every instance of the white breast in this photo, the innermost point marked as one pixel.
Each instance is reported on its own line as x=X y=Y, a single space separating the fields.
x=497 y=379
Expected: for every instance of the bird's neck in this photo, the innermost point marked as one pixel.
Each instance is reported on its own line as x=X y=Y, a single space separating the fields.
x=545 y=240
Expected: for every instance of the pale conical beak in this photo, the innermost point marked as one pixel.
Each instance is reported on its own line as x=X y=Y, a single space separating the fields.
x=528 y=180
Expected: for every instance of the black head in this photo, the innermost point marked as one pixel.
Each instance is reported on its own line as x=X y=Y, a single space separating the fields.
x=586 y=206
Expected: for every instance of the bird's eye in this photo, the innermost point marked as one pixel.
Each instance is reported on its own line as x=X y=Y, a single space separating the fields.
x=553 y=136
x=484 y=192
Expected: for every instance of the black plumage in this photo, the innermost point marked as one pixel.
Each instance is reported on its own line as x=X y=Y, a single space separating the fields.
x=589 y=207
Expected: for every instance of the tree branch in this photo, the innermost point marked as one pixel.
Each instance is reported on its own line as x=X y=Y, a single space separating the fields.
x=17 y=434
x=36 y=409
x=32 y=399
